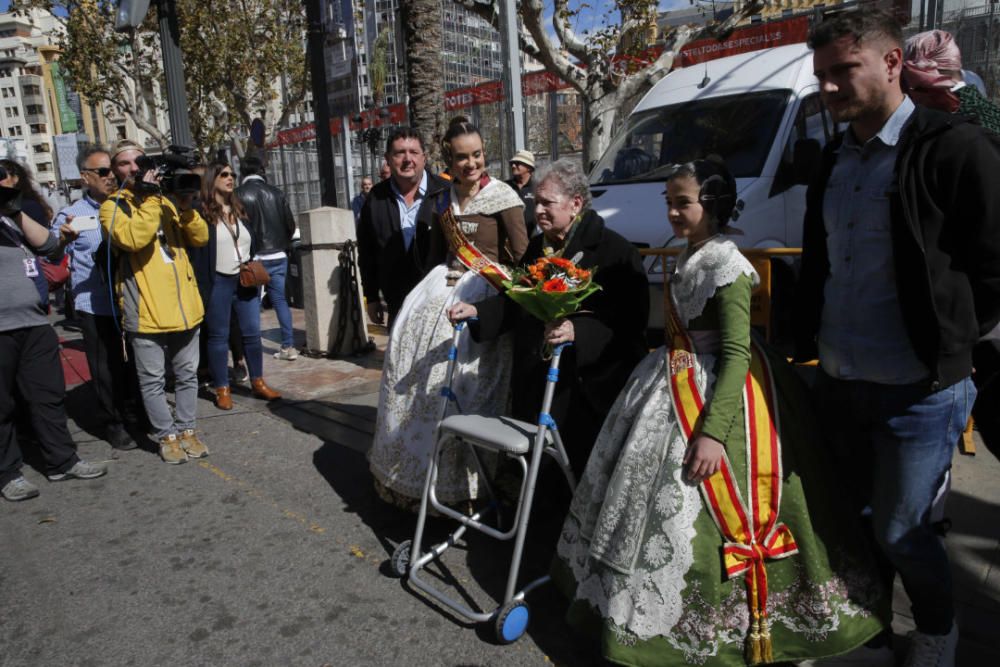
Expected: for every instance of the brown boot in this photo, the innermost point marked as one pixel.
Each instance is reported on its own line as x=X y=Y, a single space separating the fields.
x=261 y=390
x=223 y=399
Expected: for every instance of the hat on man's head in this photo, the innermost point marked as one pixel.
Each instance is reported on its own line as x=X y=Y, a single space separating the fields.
x=125 y=145
x=524 y=157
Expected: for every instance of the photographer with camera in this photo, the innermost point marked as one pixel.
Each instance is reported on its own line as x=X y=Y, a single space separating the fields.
x=29 y=355
x=151 y=223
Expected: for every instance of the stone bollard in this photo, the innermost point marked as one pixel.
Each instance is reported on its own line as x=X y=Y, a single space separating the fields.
x=324 y=231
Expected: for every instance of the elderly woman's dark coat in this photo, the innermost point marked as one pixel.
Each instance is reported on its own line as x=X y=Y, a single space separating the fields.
x=609 y=331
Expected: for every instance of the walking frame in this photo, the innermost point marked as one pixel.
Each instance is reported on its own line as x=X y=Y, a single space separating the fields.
x=516 y=440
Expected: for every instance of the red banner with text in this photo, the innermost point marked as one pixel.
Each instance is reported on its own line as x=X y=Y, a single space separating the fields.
x=743 y=40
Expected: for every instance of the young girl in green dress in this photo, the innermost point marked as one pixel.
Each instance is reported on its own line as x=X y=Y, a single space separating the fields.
x=705 y=529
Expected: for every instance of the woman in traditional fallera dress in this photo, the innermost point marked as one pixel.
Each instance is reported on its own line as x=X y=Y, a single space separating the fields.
x=704 y=529
x=489 y=215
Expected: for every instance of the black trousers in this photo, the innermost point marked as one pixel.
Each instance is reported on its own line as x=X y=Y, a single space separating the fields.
x=112 y=378
x=29 y=363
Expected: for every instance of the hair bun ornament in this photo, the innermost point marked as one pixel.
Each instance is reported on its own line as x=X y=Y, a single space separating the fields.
x=458 y=120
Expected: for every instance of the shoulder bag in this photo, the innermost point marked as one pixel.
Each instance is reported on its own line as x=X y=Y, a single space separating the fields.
x=252 y=272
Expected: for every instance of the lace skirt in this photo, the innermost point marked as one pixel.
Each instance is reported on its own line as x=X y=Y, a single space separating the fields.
x=413 y=373
x=639 y=554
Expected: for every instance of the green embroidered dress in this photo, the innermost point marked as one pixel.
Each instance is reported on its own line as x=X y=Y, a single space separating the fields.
x=640 y=555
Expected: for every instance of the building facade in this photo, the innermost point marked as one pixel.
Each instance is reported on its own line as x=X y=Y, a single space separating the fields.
x=28 y=96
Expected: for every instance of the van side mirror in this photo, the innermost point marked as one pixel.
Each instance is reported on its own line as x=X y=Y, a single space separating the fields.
x=806 y=156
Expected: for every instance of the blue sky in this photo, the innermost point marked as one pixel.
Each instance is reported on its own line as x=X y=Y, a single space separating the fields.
x=592 y=18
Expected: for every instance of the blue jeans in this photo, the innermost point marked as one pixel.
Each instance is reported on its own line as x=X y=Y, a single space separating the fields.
x=895 y=445
x=227 y=296
x=278 y=269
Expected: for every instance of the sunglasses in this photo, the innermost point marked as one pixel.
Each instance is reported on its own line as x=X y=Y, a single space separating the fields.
x=103 y=172
x=227 y=174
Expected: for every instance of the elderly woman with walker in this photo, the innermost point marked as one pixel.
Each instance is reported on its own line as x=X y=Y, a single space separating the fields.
x=607 y=333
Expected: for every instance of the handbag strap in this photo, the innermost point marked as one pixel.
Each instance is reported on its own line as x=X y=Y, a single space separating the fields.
x=236 y=238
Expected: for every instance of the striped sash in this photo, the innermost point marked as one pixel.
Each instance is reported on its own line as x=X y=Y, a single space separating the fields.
x=468 y=254
x=752 y=533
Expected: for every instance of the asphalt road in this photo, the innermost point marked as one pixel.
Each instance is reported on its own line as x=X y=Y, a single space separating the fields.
x=271 y=551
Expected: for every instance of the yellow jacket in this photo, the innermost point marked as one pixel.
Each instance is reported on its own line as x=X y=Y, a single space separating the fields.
x=154 y=279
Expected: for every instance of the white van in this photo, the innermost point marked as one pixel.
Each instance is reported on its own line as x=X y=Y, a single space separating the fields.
x=760 y=111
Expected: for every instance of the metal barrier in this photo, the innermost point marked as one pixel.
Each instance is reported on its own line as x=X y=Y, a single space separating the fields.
x=760 y=258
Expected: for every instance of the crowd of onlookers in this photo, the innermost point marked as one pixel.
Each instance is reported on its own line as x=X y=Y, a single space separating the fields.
x=164 y=275
x=900 y=279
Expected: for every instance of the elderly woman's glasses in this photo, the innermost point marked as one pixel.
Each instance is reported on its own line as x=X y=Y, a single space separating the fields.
x=103 y=172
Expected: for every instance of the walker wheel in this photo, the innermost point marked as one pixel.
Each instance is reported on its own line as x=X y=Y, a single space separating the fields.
x=511 y=621
x=400 y=561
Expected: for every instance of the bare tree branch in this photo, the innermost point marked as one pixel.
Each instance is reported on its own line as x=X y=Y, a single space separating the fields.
x=567 y=36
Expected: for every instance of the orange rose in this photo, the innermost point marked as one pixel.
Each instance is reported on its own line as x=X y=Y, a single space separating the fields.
x=561 y=262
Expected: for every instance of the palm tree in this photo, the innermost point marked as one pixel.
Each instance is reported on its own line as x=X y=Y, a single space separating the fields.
x=424 y=67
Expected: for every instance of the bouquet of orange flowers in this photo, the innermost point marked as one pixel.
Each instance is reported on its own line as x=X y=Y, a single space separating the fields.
x=551 y=288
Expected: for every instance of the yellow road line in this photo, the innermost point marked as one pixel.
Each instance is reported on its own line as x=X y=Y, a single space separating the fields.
x=260 y=495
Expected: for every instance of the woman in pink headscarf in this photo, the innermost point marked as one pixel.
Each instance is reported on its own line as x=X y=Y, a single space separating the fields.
x=932 y=76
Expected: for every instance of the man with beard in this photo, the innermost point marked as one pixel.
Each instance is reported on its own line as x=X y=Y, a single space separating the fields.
x=900 y=277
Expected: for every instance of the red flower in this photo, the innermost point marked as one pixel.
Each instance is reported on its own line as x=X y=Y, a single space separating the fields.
x=561 y=262
x=554 y=285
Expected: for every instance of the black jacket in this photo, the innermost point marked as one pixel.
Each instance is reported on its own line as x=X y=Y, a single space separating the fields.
x=271 y=221
x=385 y=262
x=945 y=221
x=609 y=332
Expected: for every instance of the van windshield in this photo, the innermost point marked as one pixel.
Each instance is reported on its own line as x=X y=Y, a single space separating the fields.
x=739 y=127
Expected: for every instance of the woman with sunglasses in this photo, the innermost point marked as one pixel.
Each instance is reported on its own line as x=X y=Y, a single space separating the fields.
x=230 y=243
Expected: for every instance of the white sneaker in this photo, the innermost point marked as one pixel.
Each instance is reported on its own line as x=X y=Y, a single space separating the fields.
x=859 y=657
x=287 y=354
x=932 y=650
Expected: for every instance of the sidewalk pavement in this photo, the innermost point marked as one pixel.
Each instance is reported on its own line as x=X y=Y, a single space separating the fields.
x=277 y=547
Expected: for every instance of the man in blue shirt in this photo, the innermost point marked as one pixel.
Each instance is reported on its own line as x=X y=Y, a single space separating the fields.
x=394 y=229
x=92 y=296
x=359 y=199
x=900 y=277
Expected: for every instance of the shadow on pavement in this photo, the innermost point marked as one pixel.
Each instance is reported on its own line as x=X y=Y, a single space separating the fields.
x=345 y=469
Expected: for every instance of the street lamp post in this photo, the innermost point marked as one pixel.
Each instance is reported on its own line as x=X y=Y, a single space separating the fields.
x=321 y=105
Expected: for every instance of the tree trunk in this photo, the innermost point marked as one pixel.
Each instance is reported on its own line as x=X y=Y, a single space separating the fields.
x=598 y=123
x=424 y=68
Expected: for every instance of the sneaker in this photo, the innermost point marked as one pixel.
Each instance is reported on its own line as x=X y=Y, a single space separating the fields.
x=932 y=650
x=171 y=450
x=119 y=438
x=19 y=489
x=240 y=372
x=194 y=447
x=80 y=470
x=287 y=354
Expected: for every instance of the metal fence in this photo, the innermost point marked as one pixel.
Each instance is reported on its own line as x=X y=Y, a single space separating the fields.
x=552 y=119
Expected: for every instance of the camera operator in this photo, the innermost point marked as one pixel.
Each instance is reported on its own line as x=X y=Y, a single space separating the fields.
x=29 y=356
x=150 y=222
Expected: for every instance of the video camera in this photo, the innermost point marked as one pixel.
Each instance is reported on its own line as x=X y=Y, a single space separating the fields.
x=174 y=168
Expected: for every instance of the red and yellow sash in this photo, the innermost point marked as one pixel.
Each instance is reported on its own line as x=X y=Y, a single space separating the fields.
x=752 y=533
x=468 y=254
